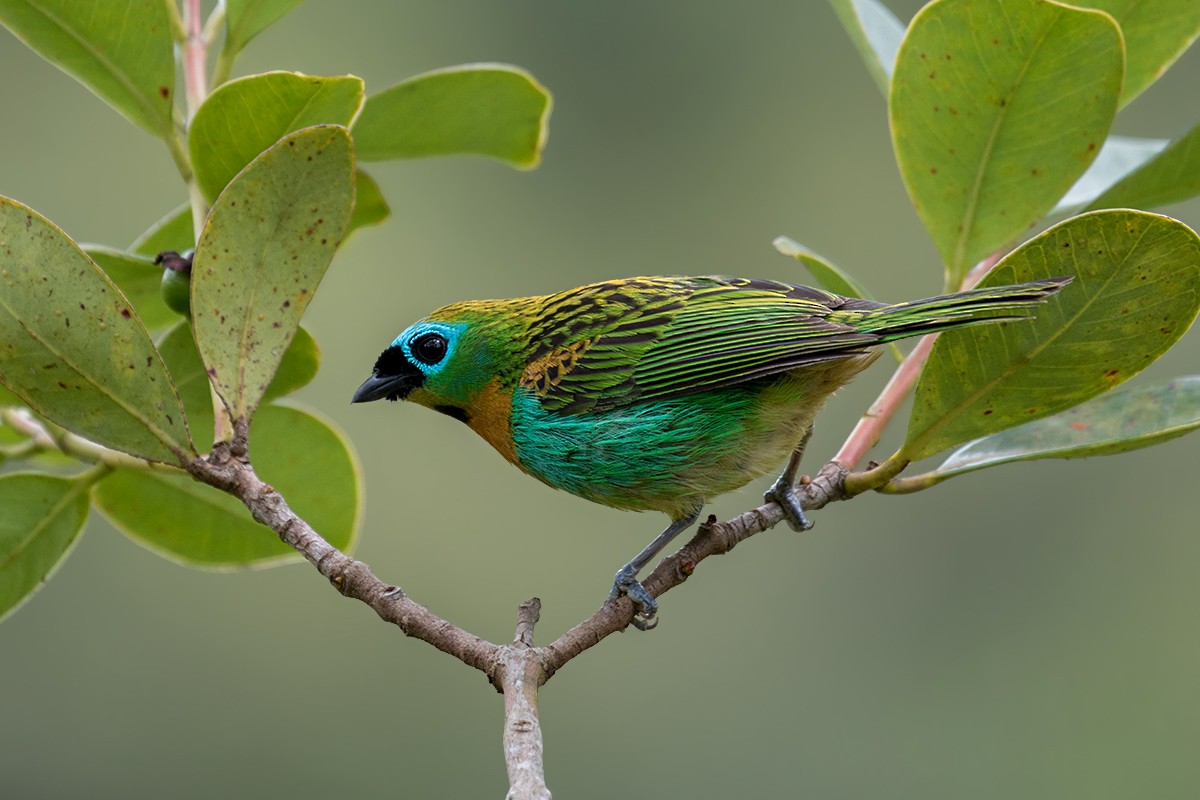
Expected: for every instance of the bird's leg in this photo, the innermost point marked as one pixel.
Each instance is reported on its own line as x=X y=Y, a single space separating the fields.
x=783 y=491
x=626 y=581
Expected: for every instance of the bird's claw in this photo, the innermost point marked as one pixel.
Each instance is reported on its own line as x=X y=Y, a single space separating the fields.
x=784 y=493
x=626 y=583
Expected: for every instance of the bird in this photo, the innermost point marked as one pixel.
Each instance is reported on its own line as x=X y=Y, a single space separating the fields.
x=660 y=393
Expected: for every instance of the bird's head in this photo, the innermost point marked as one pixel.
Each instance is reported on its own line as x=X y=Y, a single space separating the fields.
x=442 y=362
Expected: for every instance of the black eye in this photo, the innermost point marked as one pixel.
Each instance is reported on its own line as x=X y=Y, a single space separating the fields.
x=429 y=348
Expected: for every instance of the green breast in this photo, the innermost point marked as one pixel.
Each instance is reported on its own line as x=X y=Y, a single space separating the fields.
x=665 y=455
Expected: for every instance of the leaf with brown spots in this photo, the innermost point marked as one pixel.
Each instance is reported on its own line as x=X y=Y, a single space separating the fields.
x=1136 y=291
x=262 y=253
x=1007 y=101
x=1124 y=419
x=74 y=351
x=120 y=49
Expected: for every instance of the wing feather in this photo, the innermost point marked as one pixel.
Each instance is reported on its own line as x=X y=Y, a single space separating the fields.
x=607 y=345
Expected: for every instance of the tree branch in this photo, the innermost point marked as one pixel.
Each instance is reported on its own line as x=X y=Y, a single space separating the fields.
x=520 y=672
x=517 y=669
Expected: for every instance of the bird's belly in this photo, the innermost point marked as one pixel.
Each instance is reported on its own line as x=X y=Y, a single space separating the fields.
x=667 y=455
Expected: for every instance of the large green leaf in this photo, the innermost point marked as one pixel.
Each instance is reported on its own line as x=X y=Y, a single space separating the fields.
x=120 y=49
x=1124 y=419
x=74 y=349
x=43 y=515
x=245 y=19
x=1170 y=177
x=1156 y=33
x=263 y=251
x=487 y=109
x=305 y=457
x=1136 y=290
x=244 y=117
x=876 y=34
x=172 y=232
x=997 y=106
x=139 y=279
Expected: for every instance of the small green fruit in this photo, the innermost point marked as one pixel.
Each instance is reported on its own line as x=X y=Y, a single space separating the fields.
x=176 y=281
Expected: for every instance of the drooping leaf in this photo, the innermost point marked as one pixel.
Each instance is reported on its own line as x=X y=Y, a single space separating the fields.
x=1136 y=291
x=138 y=278
x=245 y=19
x=1124 y=419
x=244 y=117
x=120 y=49
x=263 y=251
x=827 y=274
x=486 y=109
x=1171 y=177
x=172 y=232
x=876 y=34
x=297 y=368
x=997 y=107
x=43 y=515
x=370 y=206
x=304 y=456
x=73 y=348
x=1156 y=33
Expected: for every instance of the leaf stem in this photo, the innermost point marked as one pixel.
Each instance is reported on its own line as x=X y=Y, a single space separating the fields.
x=867 y=432
x=195 y=53
x=43 y=438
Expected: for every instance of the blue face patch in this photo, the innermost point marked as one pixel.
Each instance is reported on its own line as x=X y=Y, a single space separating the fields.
x=420 y=344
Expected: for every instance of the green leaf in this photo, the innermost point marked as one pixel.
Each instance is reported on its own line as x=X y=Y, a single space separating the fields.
x=304 y=456
x=138 y=278
x=244 y=117
x=1119 y=156
x=120 y=49
x=297 y=368
x=245 y=19
x=264 y=248
x=43 y=515
x=1124 y=419
x=74 y=349
x=487 y=109
x=997 y=106
x=826 y=273
x=172 y=232
x=876 y=34
x=1136 y=290
x=7 y=398
x=370 y=206
x=1156 y=33
x=1171 y=177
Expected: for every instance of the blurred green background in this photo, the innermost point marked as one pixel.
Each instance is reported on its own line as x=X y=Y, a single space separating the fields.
x=1028 y=631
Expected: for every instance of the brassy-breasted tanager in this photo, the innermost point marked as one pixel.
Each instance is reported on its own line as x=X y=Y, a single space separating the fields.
x=660 y=393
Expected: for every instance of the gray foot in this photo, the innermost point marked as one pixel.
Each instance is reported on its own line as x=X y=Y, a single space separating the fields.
x=626 y=583
x=784 y=493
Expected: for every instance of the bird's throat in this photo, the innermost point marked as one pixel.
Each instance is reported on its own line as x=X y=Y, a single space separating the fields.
x=490 y=415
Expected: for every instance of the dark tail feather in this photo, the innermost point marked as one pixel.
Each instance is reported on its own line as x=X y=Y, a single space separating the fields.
x=933 y=314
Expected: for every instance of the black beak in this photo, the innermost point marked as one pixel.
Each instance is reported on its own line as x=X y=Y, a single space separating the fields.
x=393 y=387
x=393 y=378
